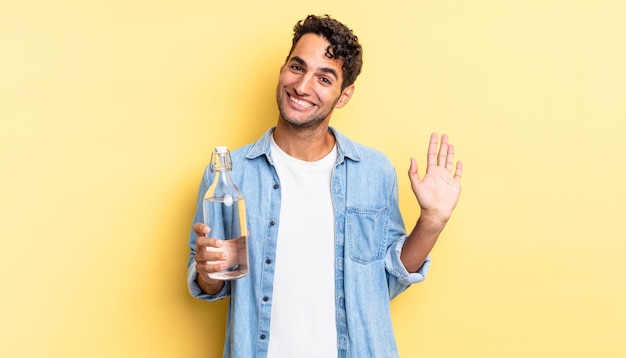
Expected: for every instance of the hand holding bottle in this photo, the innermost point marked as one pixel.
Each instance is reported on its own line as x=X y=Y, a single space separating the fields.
x=211 y=257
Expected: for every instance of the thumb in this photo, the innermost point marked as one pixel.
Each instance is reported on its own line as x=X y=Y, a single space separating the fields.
x=413 y=170
x=414 y=176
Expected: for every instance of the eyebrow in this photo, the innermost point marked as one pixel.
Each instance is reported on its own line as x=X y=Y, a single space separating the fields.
x=323 y=69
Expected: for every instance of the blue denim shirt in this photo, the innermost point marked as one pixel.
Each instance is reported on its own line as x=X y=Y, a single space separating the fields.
x=369 y=234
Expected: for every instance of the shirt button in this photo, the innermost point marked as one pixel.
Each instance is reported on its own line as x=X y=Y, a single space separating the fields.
x=268 y=261
x=272 y=223
x=276 y=186
x=262 y=336
x=266 y=298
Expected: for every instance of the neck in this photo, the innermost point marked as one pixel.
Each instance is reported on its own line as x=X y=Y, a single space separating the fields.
x=309 y=144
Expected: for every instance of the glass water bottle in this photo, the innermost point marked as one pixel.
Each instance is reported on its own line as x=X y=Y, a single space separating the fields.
x=225 y=213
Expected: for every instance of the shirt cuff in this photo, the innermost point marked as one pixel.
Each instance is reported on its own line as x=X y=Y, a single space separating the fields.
x=396 y=268
x=196 y=291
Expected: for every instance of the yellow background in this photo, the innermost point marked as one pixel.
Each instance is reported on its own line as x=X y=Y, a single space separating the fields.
x=109 y=110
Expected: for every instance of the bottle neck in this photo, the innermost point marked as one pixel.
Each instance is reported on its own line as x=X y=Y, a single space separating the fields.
x=220 y=162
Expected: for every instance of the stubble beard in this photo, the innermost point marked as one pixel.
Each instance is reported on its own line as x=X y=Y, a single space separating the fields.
x=310 y=123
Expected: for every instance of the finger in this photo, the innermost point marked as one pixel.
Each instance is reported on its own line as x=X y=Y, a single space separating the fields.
x=203 y=243
x=206 y=268
x=459 y=170
x=443 y=151
x=207 y=244
x=209 y=257
x=200 y=229
x=213 y=244
x=413 y=168
x=207 y=253
x=414 y=176
x=431 y=158
x=450 y=158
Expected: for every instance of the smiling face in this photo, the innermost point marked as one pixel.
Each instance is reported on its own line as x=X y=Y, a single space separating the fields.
x=309 y=85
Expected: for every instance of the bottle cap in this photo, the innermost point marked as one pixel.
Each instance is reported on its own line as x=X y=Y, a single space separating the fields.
x=221 y=149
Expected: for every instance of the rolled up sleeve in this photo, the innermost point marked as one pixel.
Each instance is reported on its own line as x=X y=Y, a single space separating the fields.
x=395 y=268
x=196 y=291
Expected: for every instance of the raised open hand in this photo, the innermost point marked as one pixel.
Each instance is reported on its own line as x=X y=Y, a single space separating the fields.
x=438 y=191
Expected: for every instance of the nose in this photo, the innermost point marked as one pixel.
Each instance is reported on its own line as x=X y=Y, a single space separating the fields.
x=302 y=87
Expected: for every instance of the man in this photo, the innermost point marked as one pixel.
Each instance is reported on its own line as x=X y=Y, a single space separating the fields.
x=327 y=245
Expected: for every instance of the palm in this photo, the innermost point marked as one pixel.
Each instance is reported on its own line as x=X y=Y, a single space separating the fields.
x=438 y=191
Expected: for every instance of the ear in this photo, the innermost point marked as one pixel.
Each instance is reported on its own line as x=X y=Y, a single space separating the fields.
x=345 y=96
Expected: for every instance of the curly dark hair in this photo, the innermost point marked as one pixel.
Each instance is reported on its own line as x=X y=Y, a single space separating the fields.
x=344 y=45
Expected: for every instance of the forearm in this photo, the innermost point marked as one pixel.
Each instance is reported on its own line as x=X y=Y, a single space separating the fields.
x=420 y=242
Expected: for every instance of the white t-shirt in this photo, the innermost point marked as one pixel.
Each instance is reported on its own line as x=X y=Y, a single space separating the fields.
x=303 y=300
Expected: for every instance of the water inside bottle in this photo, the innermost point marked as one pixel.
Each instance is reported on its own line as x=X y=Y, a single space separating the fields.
x=226 y=218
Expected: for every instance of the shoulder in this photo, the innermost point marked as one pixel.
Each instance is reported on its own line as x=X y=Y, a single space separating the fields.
x=240 y=153
x=362 y=154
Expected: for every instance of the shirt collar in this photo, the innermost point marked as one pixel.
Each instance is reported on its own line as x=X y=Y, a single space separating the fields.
x=345 y=147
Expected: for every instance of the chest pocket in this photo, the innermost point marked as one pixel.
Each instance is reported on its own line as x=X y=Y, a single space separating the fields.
x=366 y=233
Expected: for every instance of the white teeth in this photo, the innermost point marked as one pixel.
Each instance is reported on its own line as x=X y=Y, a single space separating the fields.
x=301 y=103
